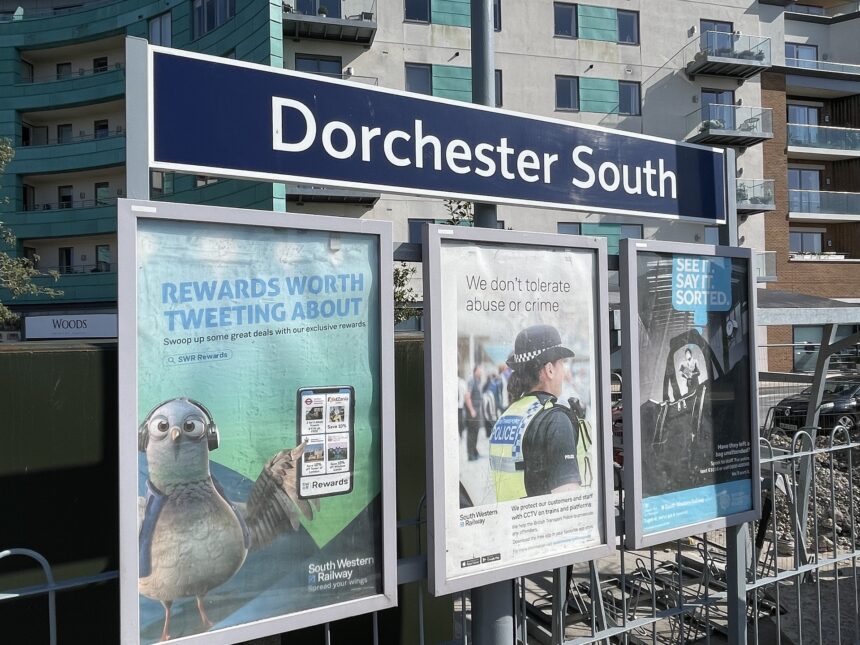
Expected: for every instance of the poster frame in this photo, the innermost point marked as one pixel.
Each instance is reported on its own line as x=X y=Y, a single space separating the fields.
x=130 y=212
x=434 y=236
x=635 y=537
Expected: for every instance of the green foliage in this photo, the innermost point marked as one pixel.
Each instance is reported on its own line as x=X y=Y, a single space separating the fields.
x=404 y=295
x=459 y=211
x=17 y=274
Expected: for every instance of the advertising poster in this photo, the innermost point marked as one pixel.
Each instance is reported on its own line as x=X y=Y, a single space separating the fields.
x=259 y=423
x=520 y=406
x=695 y=419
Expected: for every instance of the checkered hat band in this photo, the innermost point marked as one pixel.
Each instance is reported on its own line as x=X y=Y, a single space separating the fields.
x=528 y=356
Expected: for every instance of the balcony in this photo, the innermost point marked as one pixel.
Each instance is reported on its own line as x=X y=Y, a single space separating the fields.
x=730 y=125
x=717 y=53
x=32 y=14
x=822 y=66
x=347 y=21
x=314 y=194
x=51 y=92
x=87 y=152
x=69 y=219
x=823 y=206
x=765 y=266
x=754 y=196
x=817 y=12
x=94 y=285
x=822 y=142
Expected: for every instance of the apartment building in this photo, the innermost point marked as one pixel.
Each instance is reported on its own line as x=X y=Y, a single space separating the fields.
x=739 y=74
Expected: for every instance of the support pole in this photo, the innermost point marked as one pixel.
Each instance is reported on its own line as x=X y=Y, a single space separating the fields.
x=137 y=115
x=492 y=605
x=737 y=540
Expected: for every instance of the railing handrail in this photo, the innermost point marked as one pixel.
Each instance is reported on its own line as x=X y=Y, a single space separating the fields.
x=79 y=73
x=345 y=77
x=735 y=35
x=73 y=269
x=51 y=13
x=76 y=203
x=826 y=192
x=88 y=136
x=762 y=109
x=823 y=127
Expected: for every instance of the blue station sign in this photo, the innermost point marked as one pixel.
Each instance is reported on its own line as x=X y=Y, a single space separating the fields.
x=229 y=118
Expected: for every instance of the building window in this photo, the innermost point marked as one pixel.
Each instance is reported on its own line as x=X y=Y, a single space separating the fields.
x=100 y=64
x=64 y=70
x=64 y=259
x=209 y=14
x=204 y=180
x=497 y=15
x=415 y=228
x=102 y=193
x=100 y=129
x=801 y=55
x=717 y=38
x=565 y=19
x=324 y=8
x=498 y=86
x=804 y=241
x=30 y=254
x=324 y=65
x=160 y=30
x=566 y=93
x=417 y=10
x=161 y=183
x=718 y=110
x=419 y=78
x=628 y=27
x=804 y=190
x=613 y=233
x=64 y=133
x=712 y=235
x=26 y=71
x=64 y=196
x=29 y=195
x=569 y=228
x=103 y=258
x=629 y=101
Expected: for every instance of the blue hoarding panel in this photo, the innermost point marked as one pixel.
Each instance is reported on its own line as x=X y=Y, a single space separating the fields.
x=240 y=120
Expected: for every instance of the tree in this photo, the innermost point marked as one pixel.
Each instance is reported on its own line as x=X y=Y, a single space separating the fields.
x=17 y=274
x=404 y=295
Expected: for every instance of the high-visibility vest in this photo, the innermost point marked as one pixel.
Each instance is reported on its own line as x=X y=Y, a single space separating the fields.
x=506 y=447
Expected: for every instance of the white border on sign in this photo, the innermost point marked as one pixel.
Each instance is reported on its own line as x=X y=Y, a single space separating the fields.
x=276 y=177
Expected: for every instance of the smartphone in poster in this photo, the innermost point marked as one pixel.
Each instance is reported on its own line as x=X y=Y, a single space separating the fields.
x=692 y=433
x=259 y=425
x=325 y=428
x=517 y=451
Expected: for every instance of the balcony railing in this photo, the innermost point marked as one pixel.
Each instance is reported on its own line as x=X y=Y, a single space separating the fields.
x=367 y=80
x=820 y=202
x=836 y=10
x=31 y=14
x=98 y=267
x=827 y=137
x=765 y=266
x=754 y=195
x=36 y=141
x=81 y=71
x=730 y=125
x=342 y=20
x=718 y=53
x=70 y=204
x=823 y=65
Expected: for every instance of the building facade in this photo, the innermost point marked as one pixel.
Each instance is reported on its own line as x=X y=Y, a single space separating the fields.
x=740 y=74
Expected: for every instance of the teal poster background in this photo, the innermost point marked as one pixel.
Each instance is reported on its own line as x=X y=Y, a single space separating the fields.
x=239 y=318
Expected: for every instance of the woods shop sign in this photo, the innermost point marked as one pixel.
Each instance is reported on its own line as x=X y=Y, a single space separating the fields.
x=223 y=117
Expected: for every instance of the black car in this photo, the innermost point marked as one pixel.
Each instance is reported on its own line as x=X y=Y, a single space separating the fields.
x=840 y=405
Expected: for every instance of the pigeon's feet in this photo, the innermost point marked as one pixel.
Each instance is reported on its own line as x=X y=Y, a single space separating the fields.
x=207 y=624
x=165 y=632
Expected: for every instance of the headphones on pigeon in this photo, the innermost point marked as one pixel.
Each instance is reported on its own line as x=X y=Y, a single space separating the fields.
x=213 y=437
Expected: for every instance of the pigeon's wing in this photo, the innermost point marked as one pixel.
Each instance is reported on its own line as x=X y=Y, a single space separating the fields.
x=274 y=505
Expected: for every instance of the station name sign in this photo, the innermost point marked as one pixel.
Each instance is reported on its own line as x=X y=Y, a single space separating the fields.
x=236 y=119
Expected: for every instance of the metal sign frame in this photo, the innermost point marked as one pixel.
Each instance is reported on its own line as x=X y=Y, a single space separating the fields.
x=130 y=212
x=635 y=538
x=141 y=152
x=434 y=237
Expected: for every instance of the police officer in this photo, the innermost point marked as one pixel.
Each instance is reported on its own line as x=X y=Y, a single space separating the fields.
x=533 y=444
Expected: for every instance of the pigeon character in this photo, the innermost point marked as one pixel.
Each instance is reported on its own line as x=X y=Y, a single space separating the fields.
x=192 y=538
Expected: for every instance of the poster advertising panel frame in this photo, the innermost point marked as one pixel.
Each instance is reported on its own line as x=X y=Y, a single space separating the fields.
x=688 y=345
x=239 y=242
x=510 y=254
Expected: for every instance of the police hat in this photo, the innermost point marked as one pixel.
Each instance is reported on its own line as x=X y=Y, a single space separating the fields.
x=538 y=344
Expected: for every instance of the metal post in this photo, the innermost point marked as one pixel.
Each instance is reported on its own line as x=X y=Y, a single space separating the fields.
x=737 y=539
x=492 y=605
x=729 y=232
x=137 y=118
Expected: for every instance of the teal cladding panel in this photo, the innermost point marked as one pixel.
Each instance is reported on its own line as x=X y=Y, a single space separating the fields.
x=456 y=13
x=597 y=23
x=598 y=95
x=62 y=222
x=76 y=287
x=612 y=233
x=452 y=82
x=67 y=157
